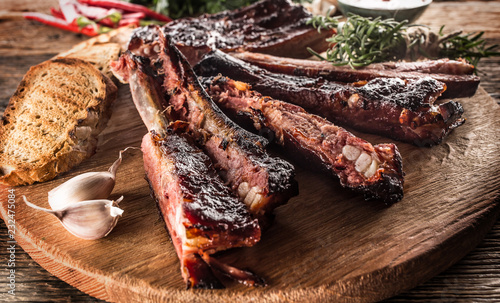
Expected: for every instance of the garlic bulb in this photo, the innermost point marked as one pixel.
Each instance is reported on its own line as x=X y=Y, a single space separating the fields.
x=87 y=186
x=89 y=220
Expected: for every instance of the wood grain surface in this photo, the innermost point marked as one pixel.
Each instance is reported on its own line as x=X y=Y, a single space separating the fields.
x=326 y=244
x=479 y=271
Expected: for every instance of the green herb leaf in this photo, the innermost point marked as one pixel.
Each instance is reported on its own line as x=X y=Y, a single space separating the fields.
x=468 y=46
x=361 y=41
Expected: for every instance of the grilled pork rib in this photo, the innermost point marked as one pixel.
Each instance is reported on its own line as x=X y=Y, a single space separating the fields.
x=262 y=182
x=392 y=107
x=375 y=171
x=457 y=75
x=201 y=213
x=271 y=26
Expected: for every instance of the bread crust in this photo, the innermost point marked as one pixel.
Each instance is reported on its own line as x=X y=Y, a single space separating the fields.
x=51 y=124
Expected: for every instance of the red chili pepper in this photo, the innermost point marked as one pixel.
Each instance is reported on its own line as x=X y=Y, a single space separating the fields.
x=128 y=7
x=56 y=13
x=93 y=12
x=62 y=24
x=107 y=22
x=129 y=21
x=134 y=16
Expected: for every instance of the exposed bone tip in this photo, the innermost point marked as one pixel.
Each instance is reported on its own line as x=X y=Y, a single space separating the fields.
x=372 y=169
x=363 y=162
x=351 y=152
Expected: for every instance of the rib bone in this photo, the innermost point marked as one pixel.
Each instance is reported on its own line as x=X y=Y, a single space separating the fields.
x=350 y=152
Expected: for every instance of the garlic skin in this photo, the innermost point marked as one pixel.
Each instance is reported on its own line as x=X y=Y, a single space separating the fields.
x=89 y=220
x=87 y=186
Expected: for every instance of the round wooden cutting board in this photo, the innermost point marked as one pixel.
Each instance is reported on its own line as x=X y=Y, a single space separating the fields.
x=327 y=244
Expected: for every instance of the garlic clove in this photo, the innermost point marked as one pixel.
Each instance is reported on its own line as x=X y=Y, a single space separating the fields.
x=90 y=220
x=118 y=161
x=87 y=186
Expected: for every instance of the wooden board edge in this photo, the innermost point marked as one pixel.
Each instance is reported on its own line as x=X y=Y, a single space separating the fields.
x=92 y=284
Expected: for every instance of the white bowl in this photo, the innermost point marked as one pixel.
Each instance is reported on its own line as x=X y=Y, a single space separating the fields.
x=398 y=9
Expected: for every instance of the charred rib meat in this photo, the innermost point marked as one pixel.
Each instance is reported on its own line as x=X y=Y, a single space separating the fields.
x=457 y=75
x=401 y=109
x=201 y=213
x=271 y=26
x=262 y=182
x=375 y=171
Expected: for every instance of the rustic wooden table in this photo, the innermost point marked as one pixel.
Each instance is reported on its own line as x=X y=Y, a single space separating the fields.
x=23 y=44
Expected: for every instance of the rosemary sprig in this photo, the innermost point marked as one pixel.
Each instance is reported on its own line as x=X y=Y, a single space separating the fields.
x=362 y=41
x=467 y=46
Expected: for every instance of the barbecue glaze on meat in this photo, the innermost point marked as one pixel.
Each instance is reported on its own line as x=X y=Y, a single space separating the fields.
x=271 y=26
x=201 y=213
x=404 y=110
x=457 y=75
x=375 y=171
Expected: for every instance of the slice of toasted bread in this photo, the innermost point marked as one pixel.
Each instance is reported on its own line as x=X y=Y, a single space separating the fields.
x=99 y=55
x=52 y=121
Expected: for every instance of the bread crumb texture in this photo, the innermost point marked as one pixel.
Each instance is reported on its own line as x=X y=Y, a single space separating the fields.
x=52 y=121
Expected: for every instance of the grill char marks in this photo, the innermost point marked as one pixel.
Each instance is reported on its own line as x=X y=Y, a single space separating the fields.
x=262 y=182
x=331 y=148
x=271 y=26
x=457 y=75
x=400 y=109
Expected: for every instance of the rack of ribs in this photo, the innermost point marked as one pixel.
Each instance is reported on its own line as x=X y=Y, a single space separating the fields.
x=457 y=75
x=202 y=214
x=376 y=171
x=275 y=27
x=404 y=110
x=261 y=181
